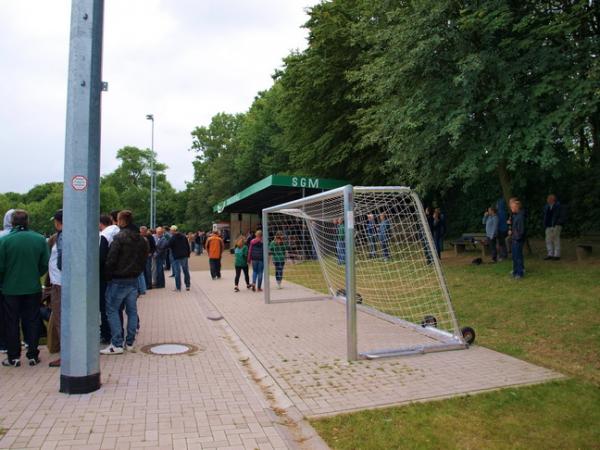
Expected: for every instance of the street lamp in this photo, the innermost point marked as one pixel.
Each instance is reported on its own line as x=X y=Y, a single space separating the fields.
x=152 y=179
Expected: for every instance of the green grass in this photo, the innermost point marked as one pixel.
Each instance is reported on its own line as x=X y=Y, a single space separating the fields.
x=560 y=415
x=550 y=318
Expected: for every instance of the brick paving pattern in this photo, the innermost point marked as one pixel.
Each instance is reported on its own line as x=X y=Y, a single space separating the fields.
x=303 y=346
x=256 y=374
x=200 y=401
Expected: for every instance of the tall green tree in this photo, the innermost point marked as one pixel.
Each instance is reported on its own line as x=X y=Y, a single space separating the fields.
x=131 y=181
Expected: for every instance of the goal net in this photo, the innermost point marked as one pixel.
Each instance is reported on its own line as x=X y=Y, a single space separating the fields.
x=371 y=248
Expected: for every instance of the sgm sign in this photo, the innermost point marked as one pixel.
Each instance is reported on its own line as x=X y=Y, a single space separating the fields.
x=305 y=182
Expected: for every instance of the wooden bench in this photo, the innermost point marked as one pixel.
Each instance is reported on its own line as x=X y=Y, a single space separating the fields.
x=585 y=246
x=474 y=240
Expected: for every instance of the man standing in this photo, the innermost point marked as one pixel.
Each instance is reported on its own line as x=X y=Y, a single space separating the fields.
x=125 y=262
x=214 y=248
x=372 y=235
x=384 y=236
x=105 y=222
x=23 y=261
x=554 y=219
x=151 y=249
x=180 y=249
x=7 y=226
x=110 y=231
x=162 y=244
x=55 y=274
x=517 y=234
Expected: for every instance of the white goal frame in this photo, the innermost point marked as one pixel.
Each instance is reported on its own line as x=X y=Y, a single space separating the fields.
x=444 y=340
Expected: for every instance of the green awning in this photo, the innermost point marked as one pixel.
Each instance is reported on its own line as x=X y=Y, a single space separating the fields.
x=273 y=190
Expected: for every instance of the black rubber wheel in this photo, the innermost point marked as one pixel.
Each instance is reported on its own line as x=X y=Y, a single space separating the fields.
x=468 y=334
x=429 y=321
x=342 y=293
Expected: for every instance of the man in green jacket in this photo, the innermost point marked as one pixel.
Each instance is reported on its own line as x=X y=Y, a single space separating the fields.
x=23 y=261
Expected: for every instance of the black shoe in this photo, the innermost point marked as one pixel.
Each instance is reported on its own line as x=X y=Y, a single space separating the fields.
x=236 y=289
x=34 y=361
x=548 y=258
x=11 y=363
x=556 y=258
x=253 y=288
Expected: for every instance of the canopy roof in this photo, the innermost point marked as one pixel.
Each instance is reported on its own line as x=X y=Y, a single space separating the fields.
x=273 y=190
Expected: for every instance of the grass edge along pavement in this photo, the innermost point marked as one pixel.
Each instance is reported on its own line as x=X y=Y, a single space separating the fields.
x=538 y=319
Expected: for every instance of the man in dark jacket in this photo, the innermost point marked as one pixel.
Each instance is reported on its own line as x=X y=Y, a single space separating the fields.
x=23 y=260
x=554 y=219
x=180 y=249
x=518 y=236
x=125 y=262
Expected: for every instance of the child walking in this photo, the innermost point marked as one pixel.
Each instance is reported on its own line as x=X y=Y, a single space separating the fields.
x=255 y=256
x=241 y=262
x=277 y=249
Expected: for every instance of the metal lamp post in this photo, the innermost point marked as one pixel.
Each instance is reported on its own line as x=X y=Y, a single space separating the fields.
x=152 y=179
x=80 y=366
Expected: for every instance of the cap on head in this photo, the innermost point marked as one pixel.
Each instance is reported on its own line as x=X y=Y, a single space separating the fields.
x=173 y=228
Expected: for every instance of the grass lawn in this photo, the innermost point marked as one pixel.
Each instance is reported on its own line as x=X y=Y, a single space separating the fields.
x=550 y=318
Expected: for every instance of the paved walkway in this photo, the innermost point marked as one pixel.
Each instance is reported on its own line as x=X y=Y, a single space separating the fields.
x=303 y=347
x=254 y=378
x=204 y=400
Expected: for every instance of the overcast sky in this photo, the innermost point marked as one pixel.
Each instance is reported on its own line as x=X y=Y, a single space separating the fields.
x=181 y=60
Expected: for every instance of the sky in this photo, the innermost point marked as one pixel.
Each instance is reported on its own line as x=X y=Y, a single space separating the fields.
x=181 y=60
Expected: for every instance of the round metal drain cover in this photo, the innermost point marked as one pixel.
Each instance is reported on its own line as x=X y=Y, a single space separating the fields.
x=170 y=349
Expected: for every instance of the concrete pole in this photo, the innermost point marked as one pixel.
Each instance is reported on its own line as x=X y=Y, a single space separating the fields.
x=80 y=368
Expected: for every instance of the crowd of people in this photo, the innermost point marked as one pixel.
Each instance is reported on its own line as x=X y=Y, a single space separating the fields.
x=134 y=259
x=501 y=227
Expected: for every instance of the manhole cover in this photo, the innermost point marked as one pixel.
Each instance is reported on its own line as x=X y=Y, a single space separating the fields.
x=170 y=349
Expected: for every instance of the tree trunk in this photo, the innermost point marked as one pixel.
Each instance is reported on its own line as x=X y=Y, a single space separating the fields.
x=505 y=180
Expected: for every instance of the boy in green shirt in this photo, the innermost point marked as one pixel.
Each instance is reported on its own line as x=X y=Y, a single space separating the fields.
x=277 y=248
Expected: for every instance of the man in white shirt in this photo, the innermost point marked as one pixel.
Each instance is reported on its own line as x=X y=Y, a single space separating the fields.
x=111 y=231
x=55 y=274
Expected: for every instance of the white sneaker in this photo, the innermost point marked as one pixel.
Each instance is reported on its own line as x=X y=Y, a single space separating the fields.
x=112 y=350
x=130 y=348
x=278 y=285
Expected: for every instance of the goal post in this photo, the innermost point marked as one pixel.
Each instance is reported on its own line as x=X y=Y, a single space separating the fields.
x=372 y=249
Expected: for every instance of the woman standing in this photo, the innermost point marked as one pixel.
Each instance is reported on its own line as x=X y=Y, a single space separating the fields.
x=241 y=262
x=277 y=249
x=255 y=256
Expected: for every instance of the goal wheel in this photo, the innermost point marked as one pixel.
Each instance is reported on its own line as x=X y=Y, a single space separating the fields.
x=468 y=334
x=429 y=321
x=342 y=293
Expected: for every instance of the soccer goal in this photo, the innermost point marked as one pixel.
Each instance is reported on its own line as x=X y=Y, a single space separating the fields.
x=371 y=249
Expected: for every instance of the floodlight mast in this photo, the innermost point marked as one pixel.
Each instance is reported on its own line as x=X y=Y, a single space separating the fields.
x=152 y=178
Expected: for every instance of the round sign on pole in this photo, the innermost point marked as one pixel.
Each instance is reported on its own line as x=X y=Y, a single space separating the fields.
x=79 y=183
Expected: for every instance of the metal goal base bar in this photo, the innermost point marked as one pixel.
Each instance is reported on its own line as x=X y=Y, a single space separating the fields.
x=414 y=350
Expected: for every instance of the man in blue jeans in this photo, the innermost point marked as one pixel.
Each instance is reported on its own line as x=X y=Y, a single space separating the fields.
x=162 y=244
x=180 y=249
x=125 y=262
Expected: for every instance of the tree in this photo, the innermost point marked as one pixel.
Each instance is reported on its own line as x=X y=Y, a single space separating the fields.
x=131 y=180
